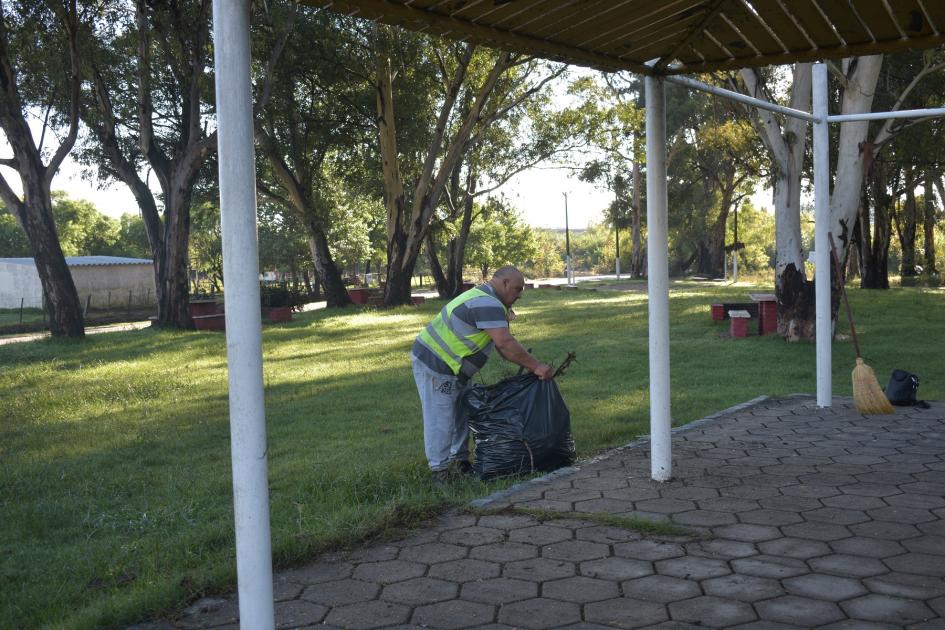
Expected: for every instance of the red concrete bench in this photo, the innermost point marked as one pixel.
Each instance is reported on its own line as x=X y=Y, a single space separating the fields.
x=217 y=321
x=720 y=311
x=739 y=322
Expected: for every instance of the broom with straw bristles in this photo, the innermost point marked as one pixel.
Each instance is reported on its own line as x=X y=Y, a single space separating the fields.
x=868 y=397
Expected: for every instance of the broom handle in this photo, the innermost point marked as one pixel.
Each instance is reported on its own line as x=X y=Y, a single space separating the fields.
x=843 y=294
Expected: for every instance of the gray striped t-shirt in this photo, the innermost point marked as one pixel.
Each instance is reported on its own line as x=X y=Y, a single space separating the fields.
x=479 y=313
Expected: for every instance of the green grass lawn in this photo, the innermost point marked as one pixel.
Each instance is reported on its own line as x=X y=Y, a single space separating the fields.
x=12 y=316
x=115 y=491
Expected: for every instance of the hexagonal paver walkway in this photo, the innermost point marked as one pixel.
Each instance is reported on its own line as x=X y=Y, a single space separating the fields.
x=798 y=517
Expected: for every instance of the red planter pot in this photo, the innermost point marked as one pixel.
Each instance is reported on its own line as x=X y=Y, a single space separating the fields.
x=358 y=296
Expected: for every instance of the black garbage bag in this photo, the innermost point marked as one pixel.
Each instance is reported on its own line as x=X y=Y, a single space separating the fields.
x=519 y=425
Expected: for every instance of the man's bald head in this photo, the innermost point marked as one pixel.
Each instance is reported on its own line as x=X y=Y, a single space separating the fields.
x=508 y=283
x=509 y=271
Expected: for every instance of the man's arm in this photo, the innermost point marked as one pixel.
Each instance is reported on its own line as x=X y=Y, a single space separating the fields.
x=513 y=351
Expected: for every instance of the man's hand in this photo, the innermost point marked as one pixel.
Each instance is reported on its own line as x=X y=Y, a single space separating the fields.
x=544 y=371
x=513 y=351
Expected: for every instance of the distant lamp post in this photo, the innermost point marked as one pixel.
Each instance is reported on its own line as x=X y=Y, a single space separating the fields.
x=569 y=272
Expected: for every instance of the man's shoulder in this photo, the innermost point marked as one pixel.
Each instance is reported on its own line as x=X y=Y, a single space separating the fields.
x=483 y=299
x=483 y=311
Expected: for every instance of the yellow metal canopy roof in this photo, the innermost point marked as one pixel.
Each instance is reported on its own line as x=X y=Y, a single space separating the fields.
x=670 y=36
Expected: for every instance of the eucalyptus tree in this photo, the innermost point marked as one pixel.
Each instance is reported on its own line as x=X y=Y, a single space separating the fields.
x=489 y=77
x=35 y=79
x=786 y=142
x=532 y=132
x=316 y=127
x=150 y=107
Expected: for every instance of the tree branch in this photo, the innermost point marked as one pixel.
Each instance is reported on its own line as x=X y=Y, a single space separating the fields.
x=893 y=126
x=770 y=130
x=13 y=203
x=274 y=56
x=71 y=23
x=445 y=110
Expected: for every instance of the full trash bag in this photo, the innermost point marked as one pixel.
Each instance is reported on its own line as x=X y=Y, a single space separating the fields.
x=519 y=425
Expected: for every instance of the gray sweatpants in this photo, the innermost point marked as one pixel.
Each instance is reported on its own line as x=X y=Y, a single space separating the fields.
x=445 y=433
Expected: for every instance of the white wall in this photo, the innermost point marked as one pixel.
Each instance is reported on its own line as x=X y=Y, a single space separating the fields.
x=105 y=283
x=110 y=284
x=20 y=282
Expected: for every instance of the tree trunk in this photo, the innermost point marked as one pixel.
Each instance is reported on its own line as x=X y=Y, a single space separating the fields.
x=173 y=294
x=405 y=236
x=440 y=280
x=60 y=298
x=796 y=314
x=457 y=247
x=795 y=294
x=854 y=153
x=876 y=248
x=306 y=282
x=335 y=292
x=908 y=230
x=714 y=240
x=787 y=146
x=854 y=254
x=928 y=227
x=393 y=190
x=636 y=249
x=316 y=285
x=34 y=211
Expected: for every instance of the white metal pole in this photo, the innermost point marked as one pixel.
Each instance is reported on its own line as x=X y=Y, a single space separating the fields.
x=902 y=113
x=657 y=252
x=243 y=326
x=821 y=228
x=737 y=96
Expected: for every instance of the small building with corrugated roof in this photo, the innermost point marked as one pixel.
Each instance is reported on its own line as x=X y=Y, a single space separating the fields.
x=102 y=282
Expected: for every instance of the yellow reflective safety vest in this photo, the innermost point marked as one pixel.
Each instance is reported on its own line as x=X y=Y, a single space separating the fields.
x=450 y=347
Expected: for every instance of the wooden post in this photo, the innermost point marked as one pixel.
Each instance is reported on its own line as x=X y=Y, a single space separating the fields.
x=88 y=303
x=21 y=309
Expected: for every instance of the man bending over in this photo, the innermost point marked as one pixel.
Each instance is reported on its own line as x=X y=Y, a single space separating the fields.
x=451 y=349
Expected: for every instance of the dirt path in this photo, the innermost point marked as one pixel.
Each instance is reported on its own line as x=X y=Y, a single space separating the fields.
x=92 y=330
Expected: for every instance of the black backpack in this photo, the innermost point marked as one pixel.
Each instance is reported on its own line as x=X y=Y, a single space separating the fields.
x=902 y=388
